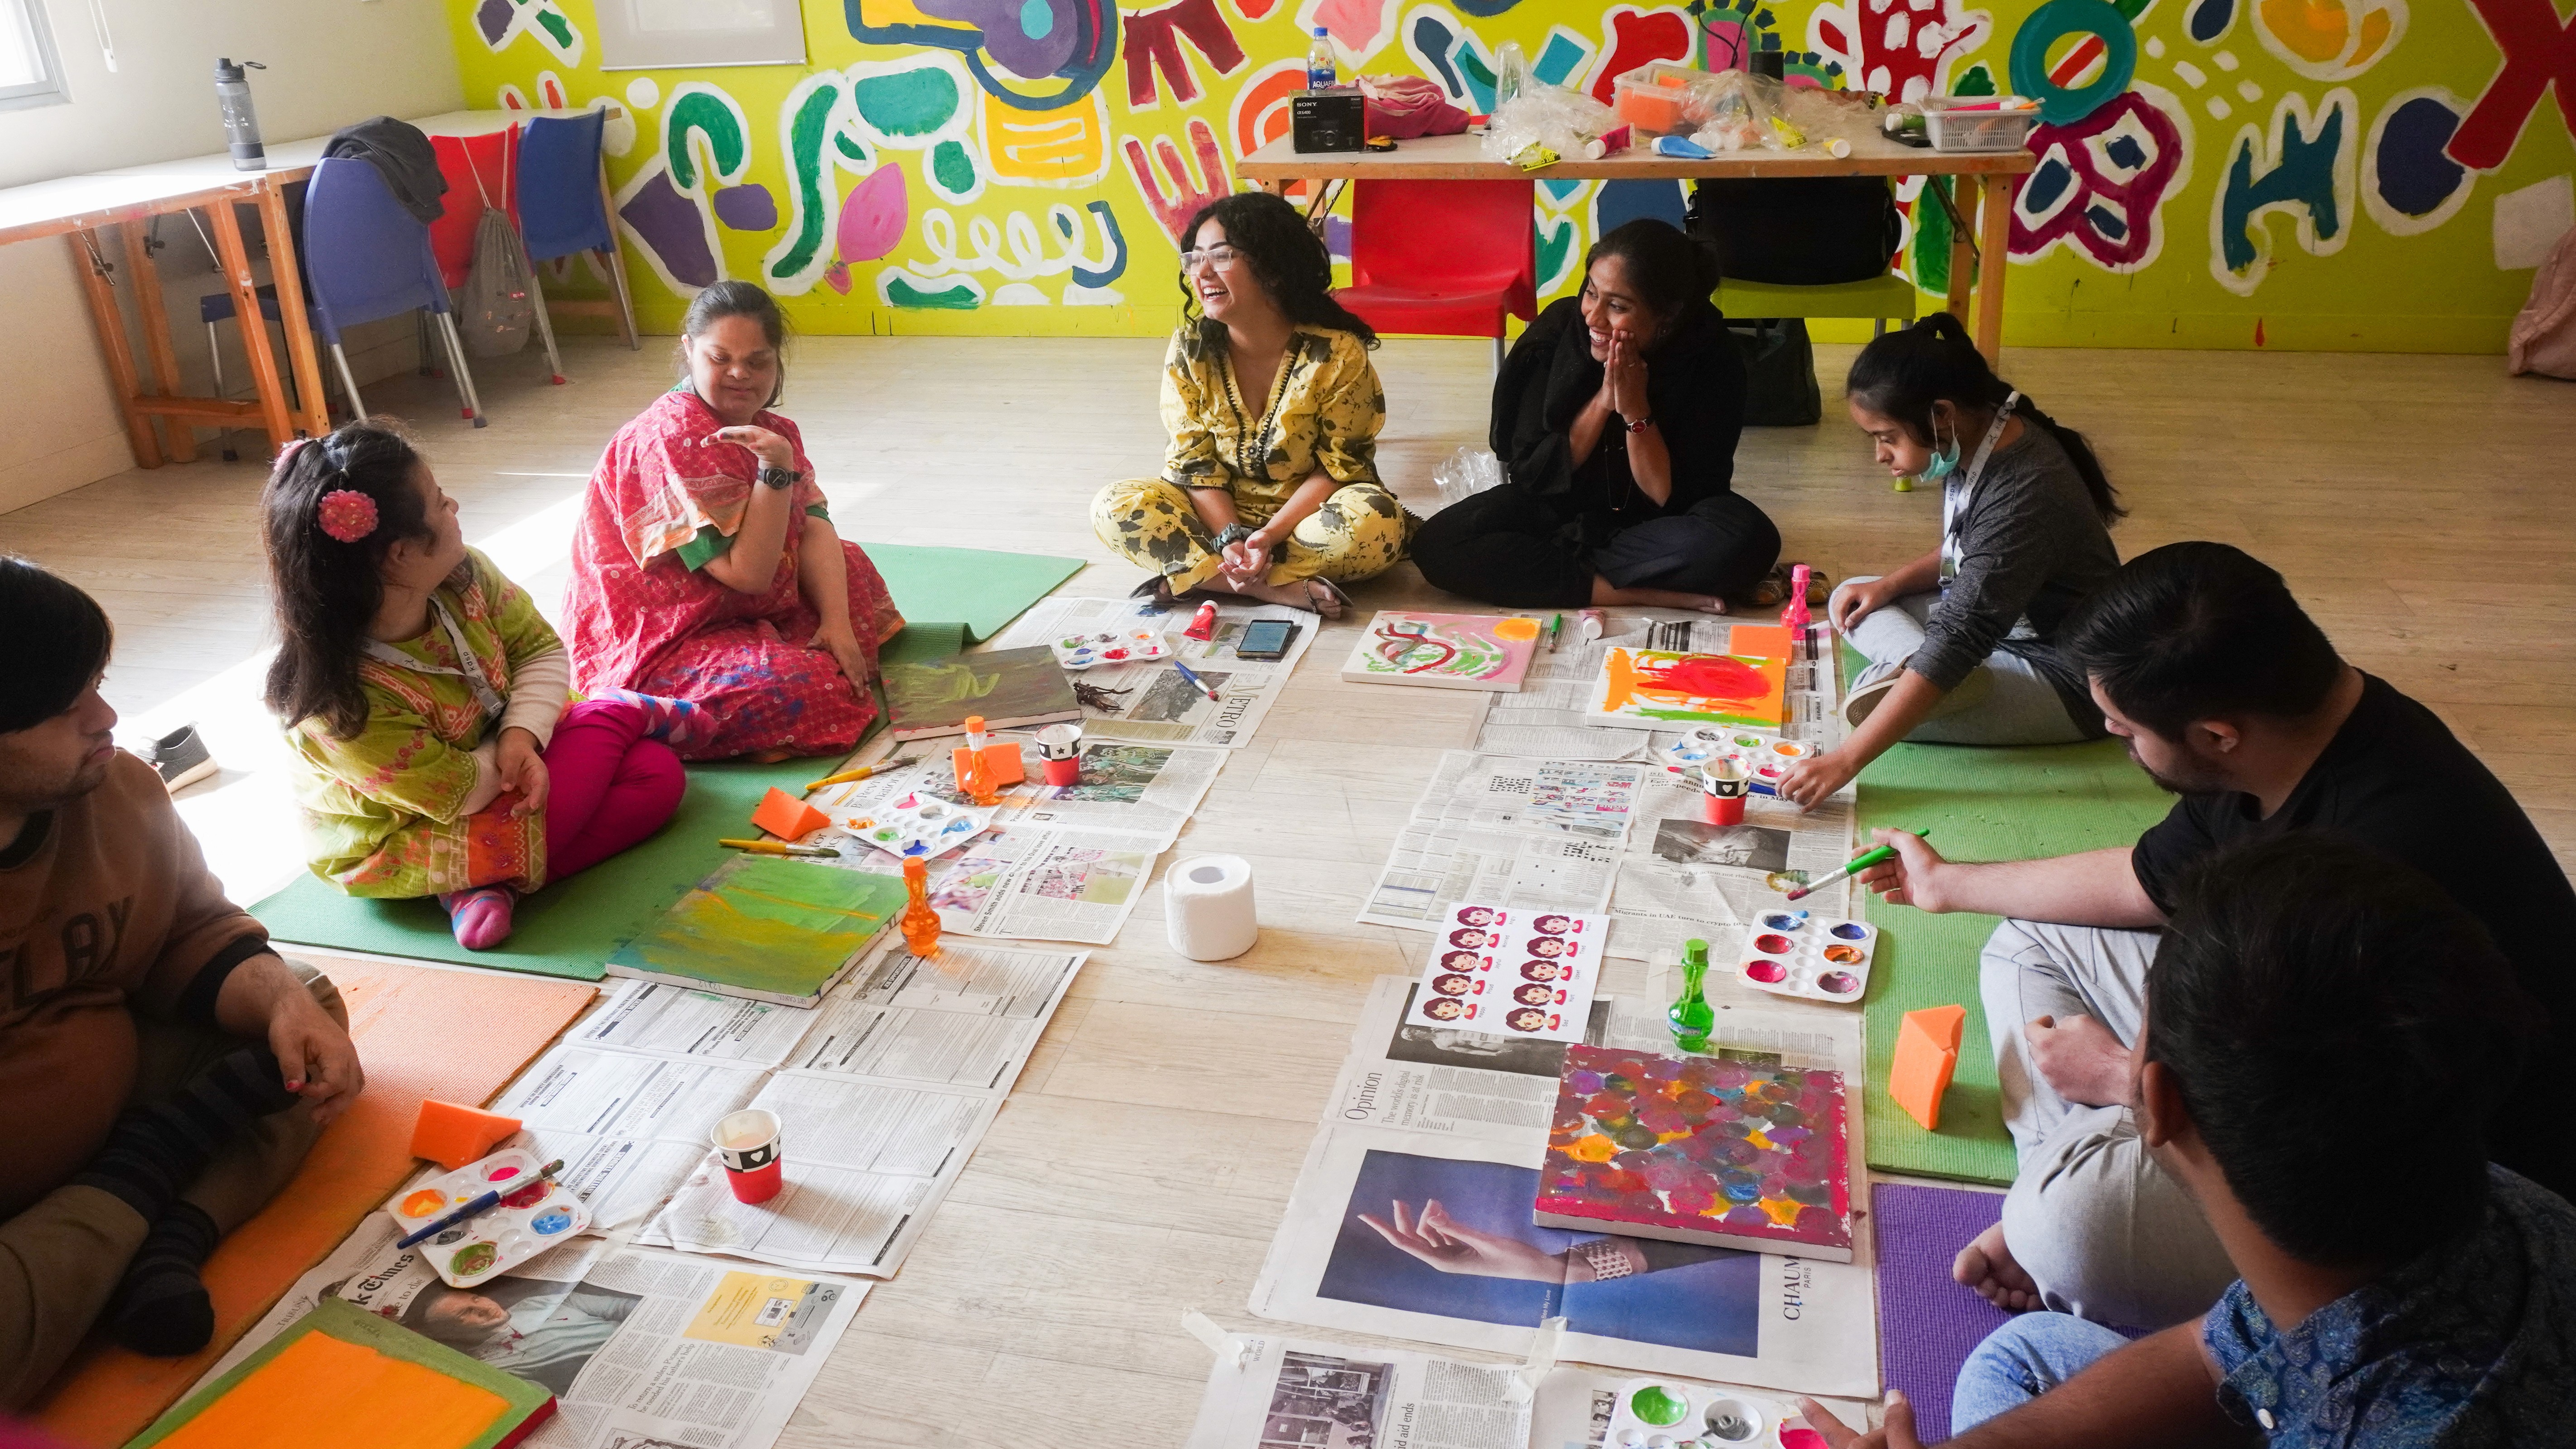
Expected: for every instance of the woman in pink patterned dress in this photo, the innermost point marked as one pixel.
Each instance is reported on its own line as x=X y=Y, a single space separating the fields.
x=706 y=567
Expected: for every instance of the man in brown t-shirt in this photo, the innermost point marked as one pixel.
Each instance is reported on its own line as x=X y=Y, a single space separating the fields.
x=161 y=1070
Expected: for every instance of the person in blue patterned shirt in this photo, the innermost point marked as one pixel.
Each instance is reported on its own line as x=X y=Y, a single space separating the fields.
x=2325 y=1033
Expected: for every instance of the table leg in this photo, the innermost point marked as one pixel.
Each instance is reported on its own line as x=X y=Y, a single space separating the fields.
x=617 y=261
x=110 y=321
x=235 y=259
x=1963 y=246
x=155 y=320
x=1994 y=239
x=313 y=410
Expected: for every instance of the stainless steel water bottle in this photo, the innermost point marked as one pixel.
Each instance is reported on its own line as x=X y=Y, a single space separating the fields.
x=241 y=123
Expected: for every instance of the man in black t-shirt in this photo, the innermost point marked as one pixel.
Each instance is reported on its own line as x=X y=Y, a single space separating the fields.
x=2232 y=698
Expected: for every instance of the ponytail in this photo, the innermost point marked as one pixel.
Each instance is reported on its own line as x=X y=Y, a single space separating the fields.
x=1903 y=373
x=331 y=510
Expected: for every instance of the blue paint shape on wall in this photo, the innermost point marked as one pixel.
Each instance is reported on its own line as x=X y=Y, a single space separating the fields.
x=1621 y=202
x=2415 y=176
x=2304 y=178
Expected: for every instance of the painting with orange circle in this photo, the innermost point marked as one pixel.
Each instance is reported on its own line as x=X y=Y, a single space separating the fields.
x=1446 y=651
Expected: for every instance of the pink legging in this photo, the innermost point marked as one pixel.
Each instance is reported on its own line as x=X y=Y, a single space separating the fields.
x=609 y=786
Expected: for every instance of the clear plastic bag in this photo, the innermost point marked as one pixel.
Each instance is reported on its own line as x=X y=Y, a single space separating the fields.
x=1568 y=123
x=1468 y=472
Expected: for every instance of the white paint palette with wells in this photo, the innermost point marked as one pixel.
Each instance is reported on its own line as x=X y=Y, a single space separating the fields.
x=919 y=825
x=1132 y=645
x=534 y=1214
x=1794 y=953
x=1679 y=1414
x=1766 y=756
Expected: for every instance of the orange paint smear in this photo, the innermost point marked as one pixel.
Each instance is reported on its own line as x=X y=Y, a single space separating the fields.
x=323 y=1390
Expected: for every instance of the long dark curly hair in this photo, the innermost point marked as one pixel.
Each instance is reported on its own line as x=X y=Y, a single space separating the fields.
x=325 y=592
x=1286 y=256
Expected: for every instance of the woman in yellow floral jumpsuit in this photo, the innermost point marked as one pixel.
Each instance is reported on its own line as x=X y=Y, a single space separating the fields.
x=1270 y=486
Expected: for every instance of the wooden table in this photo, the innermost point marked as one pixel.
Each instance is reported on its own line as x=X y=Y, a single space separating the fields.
x=1991 y=174
x=75 y=207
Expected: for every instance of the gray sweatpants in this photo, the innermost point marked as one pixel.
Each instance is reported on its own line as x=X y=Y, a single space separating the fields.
x=2002 y=701
x=2102 y=1229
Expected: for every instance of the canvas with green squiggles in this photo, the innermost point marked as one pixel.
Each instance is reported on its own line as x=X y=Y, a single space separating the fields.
x=2212 y=173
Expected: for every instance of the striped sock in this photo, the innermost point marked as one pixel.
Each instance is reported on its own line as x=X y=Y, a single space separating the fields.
x=161 y=1308
x=157 y=1150
x=480 y=916
x=679 y=723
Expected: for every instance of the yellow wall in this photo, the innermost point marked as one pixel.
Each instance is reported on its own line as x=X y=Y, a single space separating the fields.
x=2233 y=173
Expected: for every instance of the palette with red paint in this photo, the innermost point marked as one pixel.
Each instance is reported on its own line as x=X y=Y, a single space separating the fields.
x=1680 y=1414
x=1125 y=646
x=534 y=1214
x=1792 y=953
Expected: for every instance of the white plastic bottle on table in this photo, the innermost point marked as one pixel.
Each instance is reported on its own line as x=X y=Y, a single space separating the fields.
x=1321 y=67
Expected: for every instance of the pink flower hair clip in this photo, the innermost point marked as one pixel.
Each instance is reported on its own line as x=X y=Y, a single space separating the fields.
x=347 y=514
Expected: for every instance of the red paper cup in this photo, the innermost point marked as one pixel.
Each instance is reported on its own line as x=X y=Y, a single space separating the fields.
x=1722 y=786
x=1064 y=772
x=748 y=1143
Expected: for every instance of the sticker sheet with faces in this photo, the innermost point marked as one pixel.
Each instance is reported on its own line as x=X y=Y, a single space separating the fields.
x=1512 y=973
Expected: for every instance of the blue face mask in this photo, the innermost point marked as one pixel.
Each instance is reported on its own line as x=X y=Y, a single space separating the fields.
x=1941 y=465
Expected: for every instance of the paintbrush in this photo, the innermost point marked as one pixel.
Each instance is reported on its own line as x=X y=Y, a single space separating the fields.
x=1197 y=682
x=780 y=847
x=478 y=1207
x=1854 y=866
x=861 y=773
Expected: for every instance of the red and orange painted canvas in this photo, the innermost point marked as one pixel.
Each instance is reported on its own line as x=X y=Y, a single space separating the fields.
x=1663 y=690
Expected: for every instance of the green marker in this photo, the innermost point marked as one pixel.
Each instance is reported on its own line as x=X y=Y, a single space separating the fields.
x=1854 y=866
x=1553 y=625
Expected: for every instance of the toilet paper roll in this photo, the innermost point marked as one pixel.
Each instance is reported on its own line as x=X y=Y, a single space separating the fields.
x=1207 y=907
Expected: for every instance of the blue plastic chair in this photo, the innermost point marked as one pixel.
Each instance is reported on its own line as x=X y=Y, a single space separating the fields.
x=217 y=307
x=365 y=257
x=561 y=207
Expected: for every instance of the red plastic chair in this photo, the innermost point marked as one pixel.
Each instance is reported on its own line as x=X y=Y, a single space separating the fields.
x=1443 y=258
x=460 y=160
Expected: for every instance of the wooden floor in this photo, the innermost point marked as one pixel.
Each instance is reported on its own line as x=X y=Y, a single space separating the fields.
x=2418 y=506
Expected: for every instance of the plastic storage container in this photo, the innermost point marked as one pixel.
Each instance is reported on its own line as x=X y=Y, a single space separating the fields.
x=1956 y=130
x=1656 y=99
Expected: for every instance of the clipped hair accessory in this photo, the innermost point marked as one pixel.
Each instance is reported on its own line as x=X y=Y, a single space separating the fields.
x=347 y=514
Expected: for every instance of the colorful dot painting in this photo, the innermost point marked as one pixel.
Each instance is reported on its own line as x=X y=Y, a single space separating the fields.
x=1704 y=1145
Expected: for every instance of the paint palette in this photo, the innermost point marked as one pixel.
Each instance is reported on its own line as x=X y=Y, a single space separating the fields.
x=918 y=825
x=1766 y=757
x=1792 y=953
x=534 y=1214
x=1677 y=1414
x=1125 y=646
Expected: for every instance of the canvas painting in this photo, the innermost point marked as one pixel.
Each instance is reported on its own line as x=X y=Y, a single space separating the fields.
x=1445 y=651
x=765 y=926
x=1010 y=688
x=1663 y=690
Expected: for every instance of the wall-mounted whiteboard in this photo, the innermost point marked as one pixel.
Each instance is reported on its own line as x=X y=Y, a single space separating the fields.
x=664 y=34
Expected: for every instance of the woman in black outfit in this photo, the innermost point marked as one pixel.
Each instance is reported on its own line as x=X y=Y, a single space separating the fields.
x=1615 y=418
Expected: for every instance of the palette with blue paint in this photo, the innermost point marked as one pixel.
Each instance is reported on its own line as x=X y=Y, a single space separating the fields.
x=1766 y=756
x=1793 y=953
x=1137 y=644
x=535 y=1213
x=918 y=826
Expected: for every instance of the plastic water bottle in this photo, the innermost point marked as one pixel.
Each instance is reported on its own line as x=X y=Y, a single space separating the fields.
x=241 y=123
x=1509 y=69
x=1322 y=71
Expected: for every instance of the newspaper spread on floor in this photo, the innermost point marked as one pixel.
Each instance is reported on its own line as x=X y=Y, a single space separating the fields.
x=883 y=1089
x=1266 y=1391
x=1149 y=791
x=640 y=1347
x=1456 y=1125
x=1152 y=703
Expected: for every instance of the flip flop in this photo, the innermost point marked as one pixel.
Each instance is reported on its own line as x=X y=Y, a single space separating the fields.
x=1340 y=600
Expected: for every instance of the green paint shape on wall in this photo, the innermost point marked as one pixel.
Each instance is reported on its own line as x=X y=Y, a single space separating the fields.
x=702 y=112
x=952 y=168
x=1979 y=81
x=849 y=146
x=955 y=299
x=805 y=154
x=1930 y=247
x=908 y=103
x=557 y=26
x=766 y=925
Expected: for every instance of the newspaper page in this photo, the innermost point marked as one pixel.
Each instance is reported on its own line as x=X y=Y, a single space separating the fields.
x=1266 y=1392
x=641 y=1349
x=1588 y=799
x=1151 y=703
x=668 y=1020
x=1032 y=882
x=629 y=1126
x=1418 y=1122
x=1542 y=835
x=1143 y=790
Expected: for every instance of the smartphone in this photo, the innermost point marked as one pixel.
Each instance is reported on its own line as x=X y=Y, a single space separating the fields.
x=1265 y=639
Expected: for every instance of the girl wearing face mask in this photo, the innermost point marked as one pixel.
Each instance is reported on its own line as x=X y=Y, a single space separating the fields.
x=705 y=566
x=1960 y=640
x=437 y=749
x=1615 y=418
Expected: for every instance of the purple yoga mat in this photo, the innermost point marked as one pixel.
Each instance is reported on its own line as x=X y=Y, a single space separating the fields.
x=1928 y=1324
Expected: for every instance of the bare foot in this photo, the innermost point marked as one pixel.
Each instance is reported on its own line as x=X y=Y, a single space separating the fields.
x=1987 y=1265
x=1312 y=595
x=1606 y=595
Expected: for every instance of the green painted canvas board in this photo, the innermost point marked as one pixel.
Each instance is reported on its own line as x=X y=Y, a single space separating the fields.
x=765 y=927
x=1009 y=688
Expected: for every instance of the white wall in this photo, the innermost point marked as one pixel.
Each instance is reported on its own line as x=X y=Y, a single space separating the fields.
x=330 y=62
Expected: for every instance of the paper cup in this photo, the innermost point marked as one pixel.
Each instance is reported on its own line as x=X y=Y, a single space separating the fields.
x=1060 y=746
x=1722 y=787
x=748 y=1143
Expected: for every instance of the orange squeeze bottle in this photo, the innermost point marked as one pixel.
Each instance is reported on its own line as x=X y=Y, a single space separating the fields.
x=974 y=777
x=920 y=923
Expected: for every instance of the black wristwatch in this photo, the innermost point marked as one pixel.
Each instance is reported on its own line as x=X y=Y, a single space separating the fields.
x=1232 y=533
x=776 y=477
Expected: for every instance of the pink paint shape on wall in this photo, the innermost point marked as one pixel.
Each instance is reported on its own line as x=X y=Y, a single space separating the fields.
x=873 y=216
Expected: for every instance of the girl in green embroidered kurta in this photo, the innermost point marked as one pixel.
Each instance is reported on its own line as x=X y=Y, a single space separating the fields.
x=1270 y=486
x=428 y=703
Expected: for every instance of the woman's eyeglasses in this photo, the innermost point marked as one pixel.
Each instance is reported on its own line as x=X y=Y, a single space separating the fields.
x=1219 y=255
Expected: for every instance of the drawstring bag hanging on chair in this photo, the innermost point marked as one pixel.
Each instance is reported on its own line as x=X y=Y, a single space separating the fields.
x=497 y=304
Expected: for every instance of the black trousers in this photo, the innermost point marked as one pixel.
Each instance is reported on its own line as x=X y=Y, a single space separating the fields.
x=1502 y=547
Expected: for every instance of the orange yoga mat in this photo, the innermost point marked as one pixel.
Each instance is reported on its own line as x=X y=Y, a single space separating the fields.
x=456 y=1035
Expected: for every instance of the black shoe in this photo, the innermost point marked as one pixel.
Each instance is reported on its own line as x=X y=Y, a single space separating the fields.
x=181 y=756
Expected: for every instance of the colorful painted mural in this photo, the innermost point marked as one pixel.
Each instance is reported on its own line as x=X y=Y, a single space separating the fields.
x=2371 y=177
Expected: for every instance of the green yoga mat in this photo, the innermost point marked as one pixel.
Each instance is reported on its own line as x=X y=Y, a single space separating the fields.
x=978 y=587
x=570 y=928
x=1978 y=804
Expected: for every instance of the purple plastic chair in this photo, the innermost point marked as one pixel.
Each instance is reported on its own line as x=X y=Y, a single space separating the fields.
x=365 y=257
x=560 y=207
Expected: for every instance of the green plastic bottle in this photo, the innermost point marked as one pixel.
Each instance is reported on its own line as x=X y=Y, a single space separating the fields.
x=1690 y=1014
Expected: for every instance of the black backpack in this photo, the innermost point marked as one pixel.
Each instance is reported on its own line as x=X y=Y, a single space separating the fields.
x=1797 y=231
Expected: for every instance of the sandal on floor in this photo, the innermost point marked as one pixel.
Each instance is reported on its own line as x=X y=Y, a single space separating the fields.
x=1773 y=590
x=1340 y=602
x=1157 y=593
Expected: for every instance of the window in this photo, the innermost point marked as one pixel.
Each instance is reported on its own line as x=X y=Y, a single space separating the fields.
x=31 y=74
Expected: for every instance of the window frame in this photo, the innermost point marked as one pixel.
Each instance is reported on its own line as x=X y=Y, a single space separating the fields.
x=50 y=89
